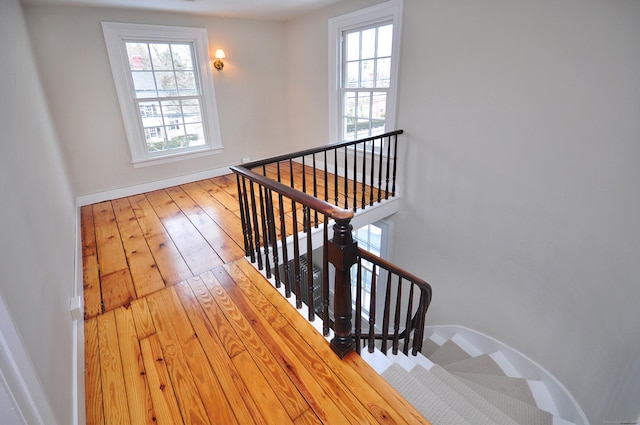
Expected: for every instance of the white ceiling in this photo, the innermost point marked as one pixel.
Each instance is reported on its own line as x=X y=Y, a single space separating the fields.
x=254 y=9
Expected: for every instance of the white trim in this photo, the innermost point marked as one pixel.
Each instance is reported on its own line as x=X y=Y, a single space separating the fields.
x=115 y=35
x=20 y=375
x=389 y=10
x=567 y=406
x=77 y=312
x=148 y=187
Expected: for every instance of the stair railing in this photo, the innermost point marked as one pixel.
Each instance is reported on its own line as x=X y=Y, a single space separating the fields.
x=270 y=192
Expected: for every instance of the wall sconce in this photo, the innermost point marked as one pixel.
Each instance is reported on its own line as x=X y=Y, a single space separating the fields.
x=218 y=64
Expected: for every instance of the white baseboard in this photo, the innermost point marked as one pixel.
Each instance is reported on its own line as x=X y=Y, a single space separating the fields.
x=148 y=187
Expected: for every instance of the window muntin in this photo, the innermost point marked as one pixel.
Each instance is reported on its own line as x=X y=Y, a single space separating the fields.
x=165 y=89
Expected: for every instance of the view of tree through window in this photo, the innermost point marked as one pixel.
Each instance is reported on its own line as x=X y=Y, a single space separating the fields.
x=167 y=94
x=365 y=82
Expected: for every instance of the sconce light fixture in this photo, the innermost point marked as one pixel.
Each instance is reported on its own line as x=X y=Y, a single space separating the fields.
x=218 y=64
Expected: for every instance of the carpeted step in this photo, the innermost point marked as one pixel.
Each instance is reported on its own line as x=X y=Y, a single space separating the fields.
x=458 y=396
x=429 y=346
x=482 y=364
x=422 y=398
x=449 y=352
x=523 y=413
x=513 y=387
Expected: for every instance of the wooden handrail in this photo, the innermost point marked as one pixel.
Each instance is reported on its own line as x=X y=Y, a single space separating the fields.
x=261 y=196
x=394 y=269
x=311 y=151
x=316 y=204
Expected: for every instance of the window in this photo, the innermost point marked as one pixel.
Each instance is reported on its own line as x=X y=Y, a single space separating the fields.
x=165 y=89
x=373 y=238
x=364 y=48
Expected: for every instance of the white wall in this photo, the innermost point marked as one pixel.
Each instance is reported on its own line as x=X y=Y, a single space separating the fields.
x=38 y=224
x=521 y=192
x=76 y=75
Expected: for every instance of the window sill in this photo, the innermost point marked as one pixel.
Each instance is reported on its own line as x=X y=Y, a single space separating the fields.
x=165 y=159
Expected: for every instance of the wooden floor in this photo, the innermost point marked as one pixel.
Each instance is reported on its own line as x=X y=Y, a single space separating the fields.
x=180 y=328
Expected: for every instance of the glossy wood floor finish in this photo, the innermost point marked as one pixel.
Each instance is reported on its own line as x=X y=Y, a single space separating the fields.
x=181 y=329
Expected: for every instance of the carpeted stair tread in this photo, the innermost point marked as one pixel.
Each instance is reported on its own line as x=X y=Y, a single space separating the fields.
x=422 y=398
x=458 y=396
x=483 y=364
x=513 y=387
x=448 y=353
x=523 y=413
x=429 y=347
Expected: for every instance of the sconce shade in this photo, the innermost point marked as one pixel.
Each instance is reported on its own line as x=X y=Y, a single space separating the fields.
x=218 y=64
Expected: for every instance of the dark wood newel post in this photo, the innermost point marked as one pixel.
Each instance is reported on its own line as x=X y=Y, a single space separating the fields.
x=342 y=254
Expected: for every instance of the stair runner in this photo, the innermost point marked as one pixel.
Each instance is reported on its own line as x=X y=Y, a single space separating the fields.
x=453 y=387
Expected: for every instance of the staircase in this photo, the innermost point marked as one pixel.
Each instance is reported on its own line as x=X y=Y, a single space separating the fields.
x=457 y=382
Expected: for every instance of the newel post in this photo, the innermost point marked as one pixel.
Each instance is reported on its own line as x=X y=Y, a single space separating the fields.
x=342 y=254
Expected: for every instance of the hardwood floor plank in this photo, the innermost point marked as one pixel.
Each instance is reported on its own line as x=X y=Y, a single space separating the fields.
x=144 y=270
x=234 y=304
x=228 y=195
x=223 y=245
x=256 y=297
x=381 y=399
x=116 y=408
x=108 y=242
x=172 y=266
x=244 y=407
x=211 y=392
x=321 y=393
x=142 y=318
x=185 y=387
x=225 y=332
x=271 y=408
x=117 y=289
x=92 y=381
x=202 y=193
x=162 y=394
x=138 y=395
x=307 y=418
x=90 y=273
x=195 y=250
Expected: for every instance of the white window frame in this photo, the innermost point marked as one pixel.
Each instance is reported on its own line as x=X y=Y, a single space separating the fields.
x=116 y=35
x=385 y=235
x=383 y=12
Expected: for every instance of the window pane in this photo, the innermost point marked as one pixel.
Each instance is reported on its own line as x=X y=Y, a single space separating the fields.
x=364 y=101
x=353 y=46
x=350 y=103
x=385 y=38
x=191 y=111
x=150 y=113
x=367 y=71
x=160 y=56
x=368 y=43
x=186 y=83
x=166 y=84
x=144 y=84
x=182 y=56
x=363 y=129
x=352 y=77
x=379 y=105
x=138 y=54
x=195 y=134
x=349 y=126
x=383 y=72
